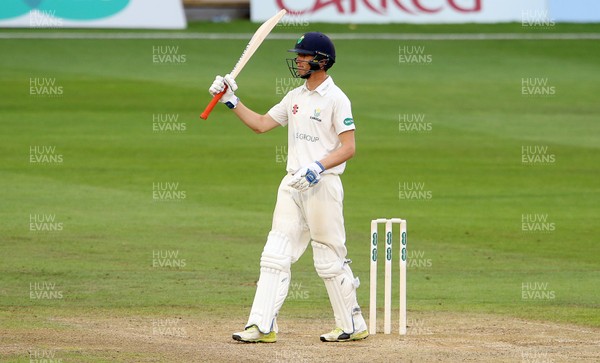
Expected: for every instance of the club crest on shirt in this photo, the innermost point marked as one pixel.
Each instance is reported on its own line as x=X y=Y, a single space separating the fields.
x=316 y=114
x=295 y=109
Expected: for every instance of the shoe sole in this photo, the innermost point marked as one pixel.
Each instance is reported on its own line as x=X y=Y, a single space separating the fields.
x=351 y=339
x=239 y=339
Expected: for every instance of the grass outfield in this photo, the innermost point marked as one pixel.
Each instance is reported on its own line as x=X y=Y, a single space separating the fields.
x=468 y=242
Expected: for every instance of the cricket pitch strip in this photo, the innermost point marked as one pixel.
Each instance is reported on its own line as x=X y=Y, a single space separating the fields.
x=431 y=336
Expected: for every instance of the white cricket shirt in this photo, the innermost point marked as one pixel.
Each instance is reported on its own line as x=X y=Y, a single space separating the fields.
x=314 y=120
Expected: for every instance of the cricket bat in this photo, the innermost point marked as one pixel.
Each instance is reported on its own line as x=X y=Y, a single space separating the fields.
x=257 y=39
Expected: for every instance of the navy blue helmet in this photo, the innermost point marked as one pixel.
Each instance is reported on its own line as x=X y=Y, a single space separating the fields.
x=315 y=44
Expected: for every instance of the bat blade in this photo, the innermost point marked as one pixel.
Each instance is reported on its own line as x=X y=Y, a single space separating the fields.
x=261 y=33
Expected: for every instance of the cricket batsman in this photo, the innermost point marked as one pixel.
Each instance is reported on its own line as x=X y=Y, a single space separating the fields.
x=309 y=205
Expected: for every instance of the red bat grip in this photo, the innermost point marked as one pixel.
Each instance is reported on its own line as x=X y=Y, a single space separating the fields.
x=212 y=104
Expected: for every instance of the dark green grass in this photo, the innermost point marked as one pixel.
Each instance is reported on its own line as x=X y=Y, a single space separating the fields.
x=470 y=230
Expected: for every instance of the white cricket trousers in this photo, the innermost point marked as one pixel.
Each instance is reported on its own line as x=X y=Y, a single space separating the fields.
x=315 y=214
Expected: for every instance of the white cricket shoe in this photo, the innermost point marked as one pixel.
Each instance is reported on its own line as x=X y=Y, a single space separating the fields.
x=252 y=335
x=338 y=335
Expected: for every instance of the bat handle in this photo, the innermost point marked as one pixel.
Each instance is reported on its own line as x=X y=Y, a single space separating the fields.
x=212 y=104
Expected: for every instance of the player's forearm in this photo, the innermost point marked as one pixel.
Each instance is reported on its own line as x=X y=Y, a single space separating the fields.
x=253 y=120
x=344 y=153
x=248 y=117
x=340 y=155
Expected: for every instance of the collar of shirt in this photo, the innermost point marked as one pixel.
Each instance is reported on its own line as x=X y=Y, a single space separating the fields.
x=323 y=87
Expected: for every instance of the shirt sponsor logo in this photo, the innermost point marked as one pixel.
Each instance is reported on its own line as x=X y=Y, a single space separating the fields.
x=349 y=121
x=295 y=109
x=316 y=114
x=306 y=137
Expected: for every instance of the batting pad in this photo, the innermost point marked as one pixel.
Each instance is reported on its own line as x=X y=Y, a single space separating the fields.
x=273 y=283
x=341 y=286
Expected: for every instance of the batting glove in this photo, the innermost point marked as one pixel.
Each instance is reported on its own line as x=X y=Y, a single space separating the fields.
x=228 y=84
x=307 y=176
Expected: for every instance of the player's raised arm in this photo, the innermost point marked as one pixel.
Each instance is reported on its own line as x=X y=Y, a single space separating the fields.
x=255 y=121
